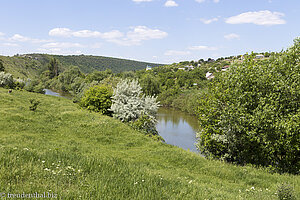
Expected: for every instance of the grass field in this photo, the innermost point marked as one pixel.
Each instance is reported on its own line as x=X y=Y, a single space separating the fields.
x=75 y=154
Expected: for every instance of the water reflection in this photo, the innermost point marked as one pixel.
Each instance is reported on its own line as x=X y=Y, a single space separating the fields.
x=177 y=128
x=52 y=93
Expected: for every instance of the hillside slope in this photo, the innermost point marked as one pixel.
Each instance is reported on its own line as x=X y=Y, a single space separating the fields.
x=77 y=154
x=31 y=65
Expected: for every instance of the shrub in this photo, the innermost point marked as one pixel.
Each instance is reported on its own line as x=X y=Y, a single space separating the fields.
x=145 y=124
x=98 y=99
x=129 y=103
x=34 y=86
x=285 y=192
x=1 y=66
x=33 y=104
x=6 y=80
x=251 y=113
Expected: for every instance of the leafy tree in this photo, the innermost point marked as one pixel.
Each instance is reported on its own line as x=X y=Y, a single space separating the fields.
x=98 y=99
x=1 y=66
x=251 y=114
x=53 y=67
x=150 y=85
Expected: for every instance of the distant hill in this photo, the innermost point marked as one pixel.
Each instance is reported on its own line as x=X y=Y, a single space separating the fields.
x=30 y=65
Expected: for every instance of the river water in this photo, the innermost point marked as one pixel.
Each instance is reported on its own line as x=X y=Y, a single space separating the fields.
x=176 y=127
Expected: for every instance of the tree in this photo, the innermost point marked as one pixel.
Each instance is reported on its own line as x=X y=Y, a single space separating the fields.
x=129 y=103
x=150 y=85
x=1 y=66
x=53 y=67
x=98 y=99
x=251 y=113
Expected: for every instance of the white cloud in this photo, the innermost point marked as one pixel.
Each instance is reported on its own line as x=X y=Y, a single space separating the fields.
x=112 y=35
x=208 y=21
x=231 y=36
x=197 y=48
x=133 y=37
x=216 y=1
x=62 y=45
x=21 y=38
x=139 y=34
x=2 y=34
x=264 y=17
x=177 y=53
x=60 y=32
x=171 y=3
x=86 y=34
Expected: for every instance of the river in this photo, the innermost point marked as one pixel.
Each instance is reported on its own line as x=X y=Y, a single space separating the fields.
x=176 y=127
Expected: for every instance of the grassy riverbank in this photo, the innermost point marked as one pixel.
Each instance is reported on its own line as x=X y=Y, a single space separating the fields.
x=76 y=154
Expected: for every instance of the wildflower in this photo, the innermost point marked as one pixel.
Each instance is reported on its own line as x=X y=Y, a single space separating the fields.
x=190 y=181
x=43 y=161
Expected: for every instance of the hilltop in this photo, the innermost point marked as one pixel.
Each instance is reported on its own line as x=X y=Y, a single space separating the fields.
x=31 y=65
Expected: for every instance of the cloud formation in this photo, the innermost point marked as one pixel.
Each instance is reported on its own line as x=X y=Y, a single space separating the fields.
x=133 y=37
x=264 y=17
x=208 y=21
x=21 y=38
x=171 y=3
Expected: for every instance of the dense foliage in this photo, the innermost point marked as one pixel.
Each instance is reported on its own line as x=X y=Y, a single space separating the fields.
x=251 y=114
x=98 y=99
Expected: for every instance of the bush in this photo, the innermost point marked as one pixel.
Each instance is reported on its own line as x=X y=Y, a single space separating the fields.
x=129 y=103
x=145 y=124
x=251 y=114
x=34 y=86
x=98 y=99
x=285 y=192
x=33 y=104
x=6 y=80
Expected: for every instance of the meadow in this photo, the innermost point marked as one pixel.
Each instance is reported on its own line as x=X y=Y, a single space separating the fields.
x=76 y=154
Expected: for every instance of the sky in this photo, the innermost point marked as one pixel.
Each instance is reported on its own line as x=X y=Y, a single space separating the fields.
x=160 y=31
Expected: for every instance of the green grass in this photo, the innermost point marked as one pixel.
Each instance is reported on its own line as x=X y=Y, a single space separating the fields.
x=76 y=154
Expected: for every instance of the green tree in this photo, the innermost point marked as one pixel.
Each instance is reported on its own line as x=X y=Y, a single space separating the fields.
x=150 y=85
x=98 y=99
x=251 y=114
x=53 y=67
x=1 y=66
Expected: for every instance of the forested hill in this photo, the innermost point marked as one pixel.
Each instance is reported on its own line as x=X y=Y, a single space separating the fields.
x=30 y=65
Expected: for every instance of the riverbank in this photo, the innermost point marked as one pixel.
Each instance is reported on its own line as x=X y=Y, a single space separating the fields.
x=78 y=154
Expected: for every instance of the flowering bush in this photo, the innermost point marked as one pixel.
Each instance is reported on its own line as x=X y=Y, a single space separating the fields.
x=129 y=103
x=6 y=79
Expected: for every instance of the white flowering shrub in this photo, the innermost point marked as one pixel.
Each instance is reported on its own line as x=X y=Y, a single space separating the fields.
x=6 y=79
x=129 y=103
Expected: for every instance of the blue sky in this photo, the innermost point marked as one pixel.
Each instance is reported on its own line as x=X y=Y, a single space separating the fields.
x=162 y=31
